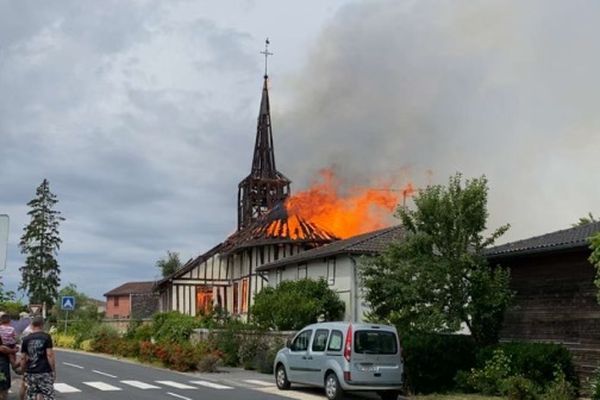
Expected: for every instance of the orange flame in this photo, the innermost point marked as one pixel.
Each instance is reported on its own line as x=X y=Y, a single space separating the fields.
x=360 y=210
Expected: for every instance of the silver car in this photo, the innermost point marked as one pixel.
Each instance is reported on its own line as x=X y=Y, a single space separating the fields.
x=341 y=356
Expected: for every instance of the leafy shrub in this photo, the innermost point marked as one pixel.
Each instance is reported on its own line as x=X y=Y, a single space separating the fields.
x=595 y=386
x=432 y=361
x=227 y=341
x=210 y=362
x=535 y=361
x=490 y=379
x=560 y=388
x=519 y=388
x=295 y=304
x=104 y=339
x=86 y=345
x=126 y=348
x=174 y=327
x=147 y=352
x=64 y=341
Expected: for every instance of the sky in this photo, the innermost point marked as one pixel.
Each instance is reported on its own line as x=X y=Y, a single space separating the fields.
x=142 y=114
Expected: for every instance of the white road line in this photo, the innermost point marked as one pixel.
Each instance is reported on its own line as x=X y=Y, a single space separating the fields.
x=64 y=388
x=140 y=385
x=210 y=385
x=72 y=365
x=176 y=385
x=178 y=396
x=103 y=373
x=258 y=382
x=105 y=387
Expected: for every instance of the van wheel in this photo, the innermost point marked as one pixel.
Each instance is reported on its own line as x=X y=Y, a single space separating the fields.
x=392 y=395
x=281 y=378
x=333 y=391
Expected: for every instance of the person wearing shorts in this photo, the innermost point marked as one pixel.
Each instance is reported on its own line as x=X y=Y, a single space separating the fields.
x=38 y=362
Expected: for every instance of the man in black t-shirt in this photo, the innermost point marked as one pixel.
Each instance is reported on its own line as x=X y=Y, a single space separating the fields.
x=38 y=362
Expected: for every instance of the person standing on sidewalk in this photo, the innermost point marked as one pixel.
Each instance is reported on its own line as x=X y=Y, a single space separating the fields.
x=5 y=353
x=38 y=362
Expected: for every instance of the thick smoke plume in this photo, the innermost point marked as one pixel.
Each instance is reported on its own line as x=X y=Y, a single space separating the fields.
x=505 y=89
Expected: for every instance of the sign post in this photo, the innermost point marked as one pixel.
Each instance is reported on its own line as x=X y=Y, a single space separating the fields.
x=67 y=303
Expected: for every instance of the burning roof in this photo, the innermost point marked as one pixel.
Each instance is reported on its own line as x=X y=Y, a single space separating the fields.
x=279 y=227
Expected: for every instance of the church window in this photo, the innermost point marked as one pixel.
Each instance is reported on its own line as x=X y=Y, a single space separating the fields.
x=245 y=295
x=235 y=298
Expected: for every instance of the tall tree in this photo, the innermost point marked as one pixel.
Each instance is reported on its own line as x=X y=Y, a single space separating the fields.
x=40 y=276
x=437 y=279
x=169 y=264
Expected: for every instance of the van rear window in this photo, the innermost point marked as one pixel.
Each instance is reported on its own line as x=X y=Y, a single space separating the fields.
x=375 y=342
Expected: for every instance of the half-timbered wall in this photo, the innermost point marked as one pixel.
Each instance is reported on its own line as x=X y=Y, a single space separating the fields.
x=233 y=278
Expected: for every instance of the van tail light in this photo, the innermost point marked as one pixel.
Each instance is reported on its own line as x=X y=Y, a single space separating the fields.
x=347 y=376
x=348 y=345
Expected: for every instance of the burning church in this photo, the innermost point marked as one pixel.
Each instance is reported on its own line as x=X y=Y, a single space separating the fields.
x=272 y=225
x=226 y=275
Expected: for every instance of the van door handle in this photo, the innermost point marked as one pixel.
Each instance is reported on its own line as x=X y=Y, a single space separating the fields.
x=309 y=358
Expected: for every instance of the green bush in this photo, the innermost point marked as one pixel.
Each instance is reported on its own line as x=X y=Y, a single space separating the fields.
x=519 y=388
x=295 y=304
x=432 y=361
x=535 y=361
x=104 y=338
x=490 y=379
x=560 y=388
x=174 y=327
x=228 y=342
x=595 y=386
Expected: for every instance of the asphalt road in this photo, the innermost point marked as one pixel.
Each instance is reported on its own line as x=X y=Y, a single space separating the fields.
x=83 y=376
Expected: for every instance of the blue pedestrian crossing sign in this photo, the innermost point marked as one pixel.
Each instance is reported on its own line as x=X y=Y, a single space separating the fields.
x=67 y=303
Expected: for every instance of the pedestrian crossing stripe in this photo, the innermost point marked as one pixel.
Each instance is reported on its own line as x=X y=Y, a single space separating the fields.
x=140 y=385
x=105 y=387
x=259 y=382
x=210 y=385
x=176 y=385
x=64 y=388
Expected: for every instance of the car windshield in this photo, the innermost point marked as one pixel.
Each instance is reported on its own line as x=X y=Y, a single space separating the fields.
x=375 y=342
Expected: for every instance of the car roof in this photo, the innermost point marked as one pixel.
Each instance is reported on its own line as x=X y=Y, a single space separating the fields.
x=345 y=325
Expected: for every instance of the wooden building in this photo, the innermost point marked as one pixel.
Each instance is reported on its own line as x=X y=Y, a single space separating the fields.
x=555 y=297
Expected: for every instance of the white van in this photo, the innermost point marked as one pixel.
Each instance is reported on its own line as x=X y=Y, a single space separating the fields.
x=341 y=356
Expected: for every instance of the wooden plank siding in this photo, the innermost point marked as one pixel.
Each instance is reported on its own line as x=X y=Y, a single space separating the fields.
x=555 y=301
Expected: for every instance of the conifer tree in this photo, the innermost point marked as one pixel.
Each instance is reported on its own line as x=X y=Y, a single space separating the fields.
x=40 y=243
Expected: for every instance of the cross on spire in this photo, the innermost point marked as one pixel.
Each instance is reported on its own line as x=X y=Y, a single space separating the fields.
x=267 y=53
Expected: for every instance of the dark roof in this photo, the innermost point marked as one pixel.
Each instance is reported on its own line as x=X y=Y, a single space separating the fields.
x=278 y=227
x=191 y=264
x=367 y=243
x=566 y=239
x=132 y=288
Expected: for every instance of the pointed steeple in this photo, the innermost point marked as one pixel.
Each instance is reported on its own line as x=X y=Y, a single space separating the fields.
x=263 y=162
x=265 y=187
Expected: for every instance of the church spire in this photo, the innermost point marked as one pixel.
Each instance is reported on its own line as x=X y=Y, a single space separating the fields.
x=265 y=186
